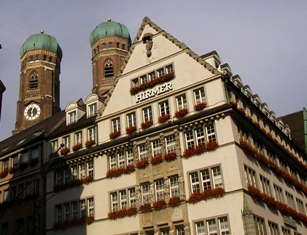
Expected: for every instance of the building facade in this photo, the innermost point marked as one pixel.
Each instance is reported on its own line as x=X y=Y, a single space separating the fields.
x=179 y=146
x=171 y=143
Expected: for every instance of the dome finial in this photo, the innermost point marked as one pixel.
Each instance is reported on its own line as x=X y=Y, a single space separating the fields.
x=42 y=31
x=109 y=19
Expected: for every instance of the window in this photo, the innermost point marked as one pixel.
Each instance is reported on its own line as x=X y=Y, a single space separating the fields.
x=72 y=117
x=74 y=210
x=200 y=228
x=145 y=192
x=33 y=82
x=54 y=145
x=131 y=119
x=160 y=72
x=90 y=168
x=108 y=69
x=115 y=125
x=208 y=178
x=164 y=108
x=92 y=110
x=135 y=82
x=5 y=165
x=15 y=161
x=66 y=141
x=250 y=176
x=35 y=153
x=159 y=189
x=278 y=195
x=156 y=148
x=285 y=231
x=170 y=143
x=142 y=148
x=273 y=228
x=199 y=95
x=200 y=135
x=174 y=186
x=147 y=114
x=123 y=199
x=300 y=206
x=181 y=102
x=260 y=226
x=152 y=75
x=179 y=230
x=78 y=137
x=143 y=79
x=290 y=200
x=25 y=156
x=164 y=231
x=169 y=69
x=91 y=134
x=265 y=185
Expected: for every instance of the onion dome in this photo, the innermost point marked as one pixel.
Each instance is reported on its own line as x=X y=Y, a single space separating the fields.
x=108 y=29
x=41 y=41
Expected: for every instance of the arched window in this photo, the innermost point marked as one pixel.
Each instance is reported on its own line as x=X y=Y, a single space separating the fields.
x=33 y=83
x=108 y=69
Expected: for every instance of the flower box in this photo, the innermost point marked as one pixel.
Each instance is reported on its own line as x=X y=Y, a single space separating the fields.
x=171 y=156
x=87 y=180
x=200 y=106
x=89 y=143
x=141 y=164
x=174 y=201
x=151 y=83
x=130 y=130
x=114 y=135
x=156 y=160
x=4 y=173
x=158 y=205
x=145 y=208
x=122 y=213
x=181 y=113
x=112 y=173
x=199 y=149
x=146 y=124
x=74 y=222
x=64 y=151
x=206 y=194
x=211 y=146
x=163 y=118
x=76 y=147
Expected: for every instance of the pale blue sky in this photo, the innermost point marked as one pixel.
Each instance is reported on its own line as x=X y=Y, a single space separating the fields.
x=265 y=42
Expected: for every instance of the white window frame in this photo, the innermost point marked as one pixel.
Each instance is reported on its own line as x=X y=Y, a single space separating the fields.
x=164 y=108
x=147 y=114
x=199 y=95
x=115 y=123
x=131 y=119
x=92 y=109
x=181 y=102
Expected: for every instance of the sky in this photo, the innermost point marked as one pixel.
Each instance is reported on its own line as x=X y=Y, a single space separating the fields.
x=265 y=42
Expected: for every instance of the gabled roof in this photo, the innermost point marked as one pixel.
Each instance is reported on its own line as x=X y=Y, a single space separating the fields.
x=147 y=21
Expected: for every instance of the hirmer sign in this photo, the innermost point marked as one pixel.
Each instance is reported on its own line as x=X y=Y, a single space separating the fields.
x=153 y=92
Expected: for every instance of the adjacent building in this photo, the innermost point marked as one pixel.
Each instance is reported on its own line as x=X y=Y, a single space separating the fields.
x=2 y=89
x=169 y=142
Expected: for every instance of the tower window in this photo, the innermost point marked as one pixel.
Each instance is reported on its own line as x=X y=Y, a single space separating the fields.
x=33 y=83
x=108 y=69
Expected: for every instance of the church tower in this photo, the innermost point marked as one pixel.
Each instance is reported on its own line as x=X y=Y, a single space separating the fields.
x=110 y=42
x=39 y=92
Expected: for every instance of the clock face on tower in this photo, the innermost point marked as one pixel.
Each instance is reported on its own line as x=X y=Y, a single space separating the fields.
x=32 y=111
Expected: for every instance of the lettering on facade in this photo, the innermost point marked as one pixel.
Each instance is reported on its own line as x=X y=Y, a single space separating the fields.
x=153 y=92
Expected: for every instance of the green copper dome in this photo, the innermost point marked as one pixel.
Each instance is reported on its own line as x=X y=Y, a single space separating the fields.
x=107 y=29
x=41 y=41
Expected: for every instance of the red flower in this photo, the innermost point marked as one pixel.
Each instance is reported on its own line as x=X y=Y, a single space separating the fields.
x=76 y=147
x=158 y=205
x=130 y=130
x=146 y=124
x=211 y=146
x=89 y=143
x=181 y=113
x=64 y=151
x=114 y=134
x=170 y=156
x=141 y=164
x=163 y=118
x=145 y=208
x=156 y=160
x=4 y=173
x=200 y=106
x=122 y=213
x=206 y=194
x=174 y=201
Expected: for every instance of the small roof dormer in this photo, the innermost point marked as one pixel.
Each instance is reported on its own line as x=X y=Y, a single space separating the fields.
x=74 y=111
x=93 y=103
